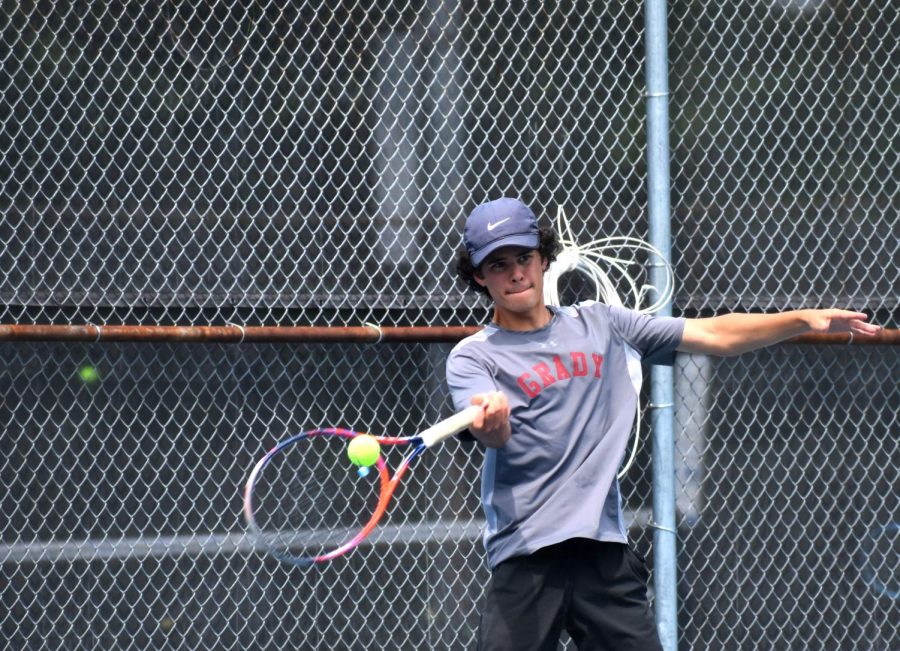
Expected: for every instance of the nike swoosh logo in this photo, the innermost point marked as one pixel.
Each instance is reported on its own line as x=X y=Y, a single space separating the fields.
x=493 y=225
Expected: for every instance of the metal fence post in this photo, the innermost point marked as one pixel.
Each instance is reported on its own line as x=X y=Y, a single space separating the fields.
x=662 y=378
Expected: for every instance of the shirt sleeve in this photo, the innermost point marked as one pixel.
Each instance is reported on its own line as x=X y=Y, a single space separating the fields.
x=656 y=338
x=466 y=376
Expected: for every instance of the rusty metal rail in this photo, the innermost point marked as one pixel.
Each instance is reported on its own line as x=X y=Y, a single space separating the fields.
x=311 y=334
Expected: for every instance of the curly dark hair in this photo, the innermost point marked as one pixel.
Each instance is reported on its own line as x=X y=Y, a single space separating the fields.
x=549 y=247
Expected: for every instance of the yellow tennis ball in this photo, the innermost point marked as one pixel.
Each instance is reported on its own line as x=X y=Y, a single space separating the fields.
x=88 y=374
x=363 y=450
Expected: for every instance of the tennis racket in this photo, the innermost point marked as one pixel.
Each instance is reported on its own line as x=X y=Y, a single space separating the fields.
x=306 y=503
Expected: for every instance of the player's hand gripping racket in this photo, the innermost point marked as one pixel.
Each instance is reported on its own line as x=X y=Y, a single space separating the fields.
x=307 y=503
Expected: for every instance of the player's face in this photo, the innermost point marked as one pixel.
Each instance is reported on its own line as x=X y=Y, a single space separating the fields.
x=514 y=277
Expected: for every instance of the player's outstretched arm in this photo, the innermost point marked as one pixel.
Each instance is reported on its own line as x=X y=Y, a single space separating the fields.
x=733 y=334
x=491 y=425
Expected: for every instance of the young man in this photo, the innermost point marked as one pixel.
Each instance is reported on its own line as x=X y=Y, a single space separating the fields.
x=559 y=390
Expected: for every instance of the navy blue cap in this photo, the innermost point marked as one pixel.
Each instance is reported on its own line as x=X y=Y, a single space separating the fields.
x=502 y=222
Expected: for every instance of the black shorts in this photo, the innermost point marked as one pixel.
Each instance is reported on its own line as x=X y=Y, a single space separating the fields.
x=597 y=591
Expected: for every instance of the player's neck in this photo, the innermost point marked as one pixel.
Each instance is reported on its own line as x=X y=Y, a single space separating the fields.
x=533 y=319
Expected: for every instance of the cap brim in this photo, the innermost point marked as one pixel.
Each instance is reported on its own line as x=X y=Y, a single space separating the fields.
x=527 y=240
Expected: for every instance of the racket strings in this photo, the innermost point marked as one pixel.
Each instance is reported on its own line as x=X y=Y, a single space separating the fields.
x=310 y=499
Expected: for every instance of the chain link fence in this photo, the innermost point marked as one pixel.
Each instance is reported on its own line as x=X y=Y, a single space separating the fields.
x=784 y=116
x=269 y=164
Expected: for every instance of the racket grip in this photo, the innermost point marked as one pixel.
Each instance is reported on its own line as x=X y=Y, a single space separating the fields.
x=449 y=426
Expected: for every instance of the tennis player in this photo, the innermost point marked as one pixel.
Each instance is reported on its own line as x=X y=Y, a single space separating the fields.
x=559 y=389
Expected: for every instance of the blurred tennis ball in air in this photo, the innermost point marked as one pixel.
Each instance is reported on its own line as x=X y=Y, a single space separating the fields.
x=88 y=374
x=363 y=450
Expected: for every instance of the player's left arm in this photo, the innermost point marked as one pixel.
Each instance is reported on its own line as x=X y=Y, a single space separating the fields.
x=733 y=334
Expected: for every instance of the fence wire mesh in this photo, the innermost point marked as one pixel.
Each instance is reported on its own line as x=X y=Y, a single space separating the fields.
x=123 y=501
x=264 y=164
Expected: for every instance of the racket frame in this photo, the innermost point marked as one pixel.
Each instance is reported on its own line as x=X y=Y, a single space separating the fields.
x=387 y=483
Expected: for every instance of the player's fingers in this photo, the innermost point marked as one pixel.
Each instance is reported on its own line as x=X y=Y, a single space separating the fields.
x=502 y=406
x=833 y=320
x=862 y=328
x=482 y=400
x=855 y=322
x=497 y=411
x=494 y=413
x=490 y=412
x=478 y=420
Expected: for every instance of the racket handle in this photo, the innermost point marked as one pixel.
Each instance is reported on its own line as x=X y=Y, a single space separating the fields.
x=449 y=426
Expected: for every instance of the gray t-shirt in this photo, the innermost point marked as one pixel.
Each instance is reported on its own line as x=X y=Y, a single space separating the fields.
x=573 y=387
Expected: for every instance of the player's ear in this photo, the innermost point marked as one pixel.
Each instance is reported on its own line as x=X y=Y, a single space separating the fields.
x=479 y=277
x=545 y=264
